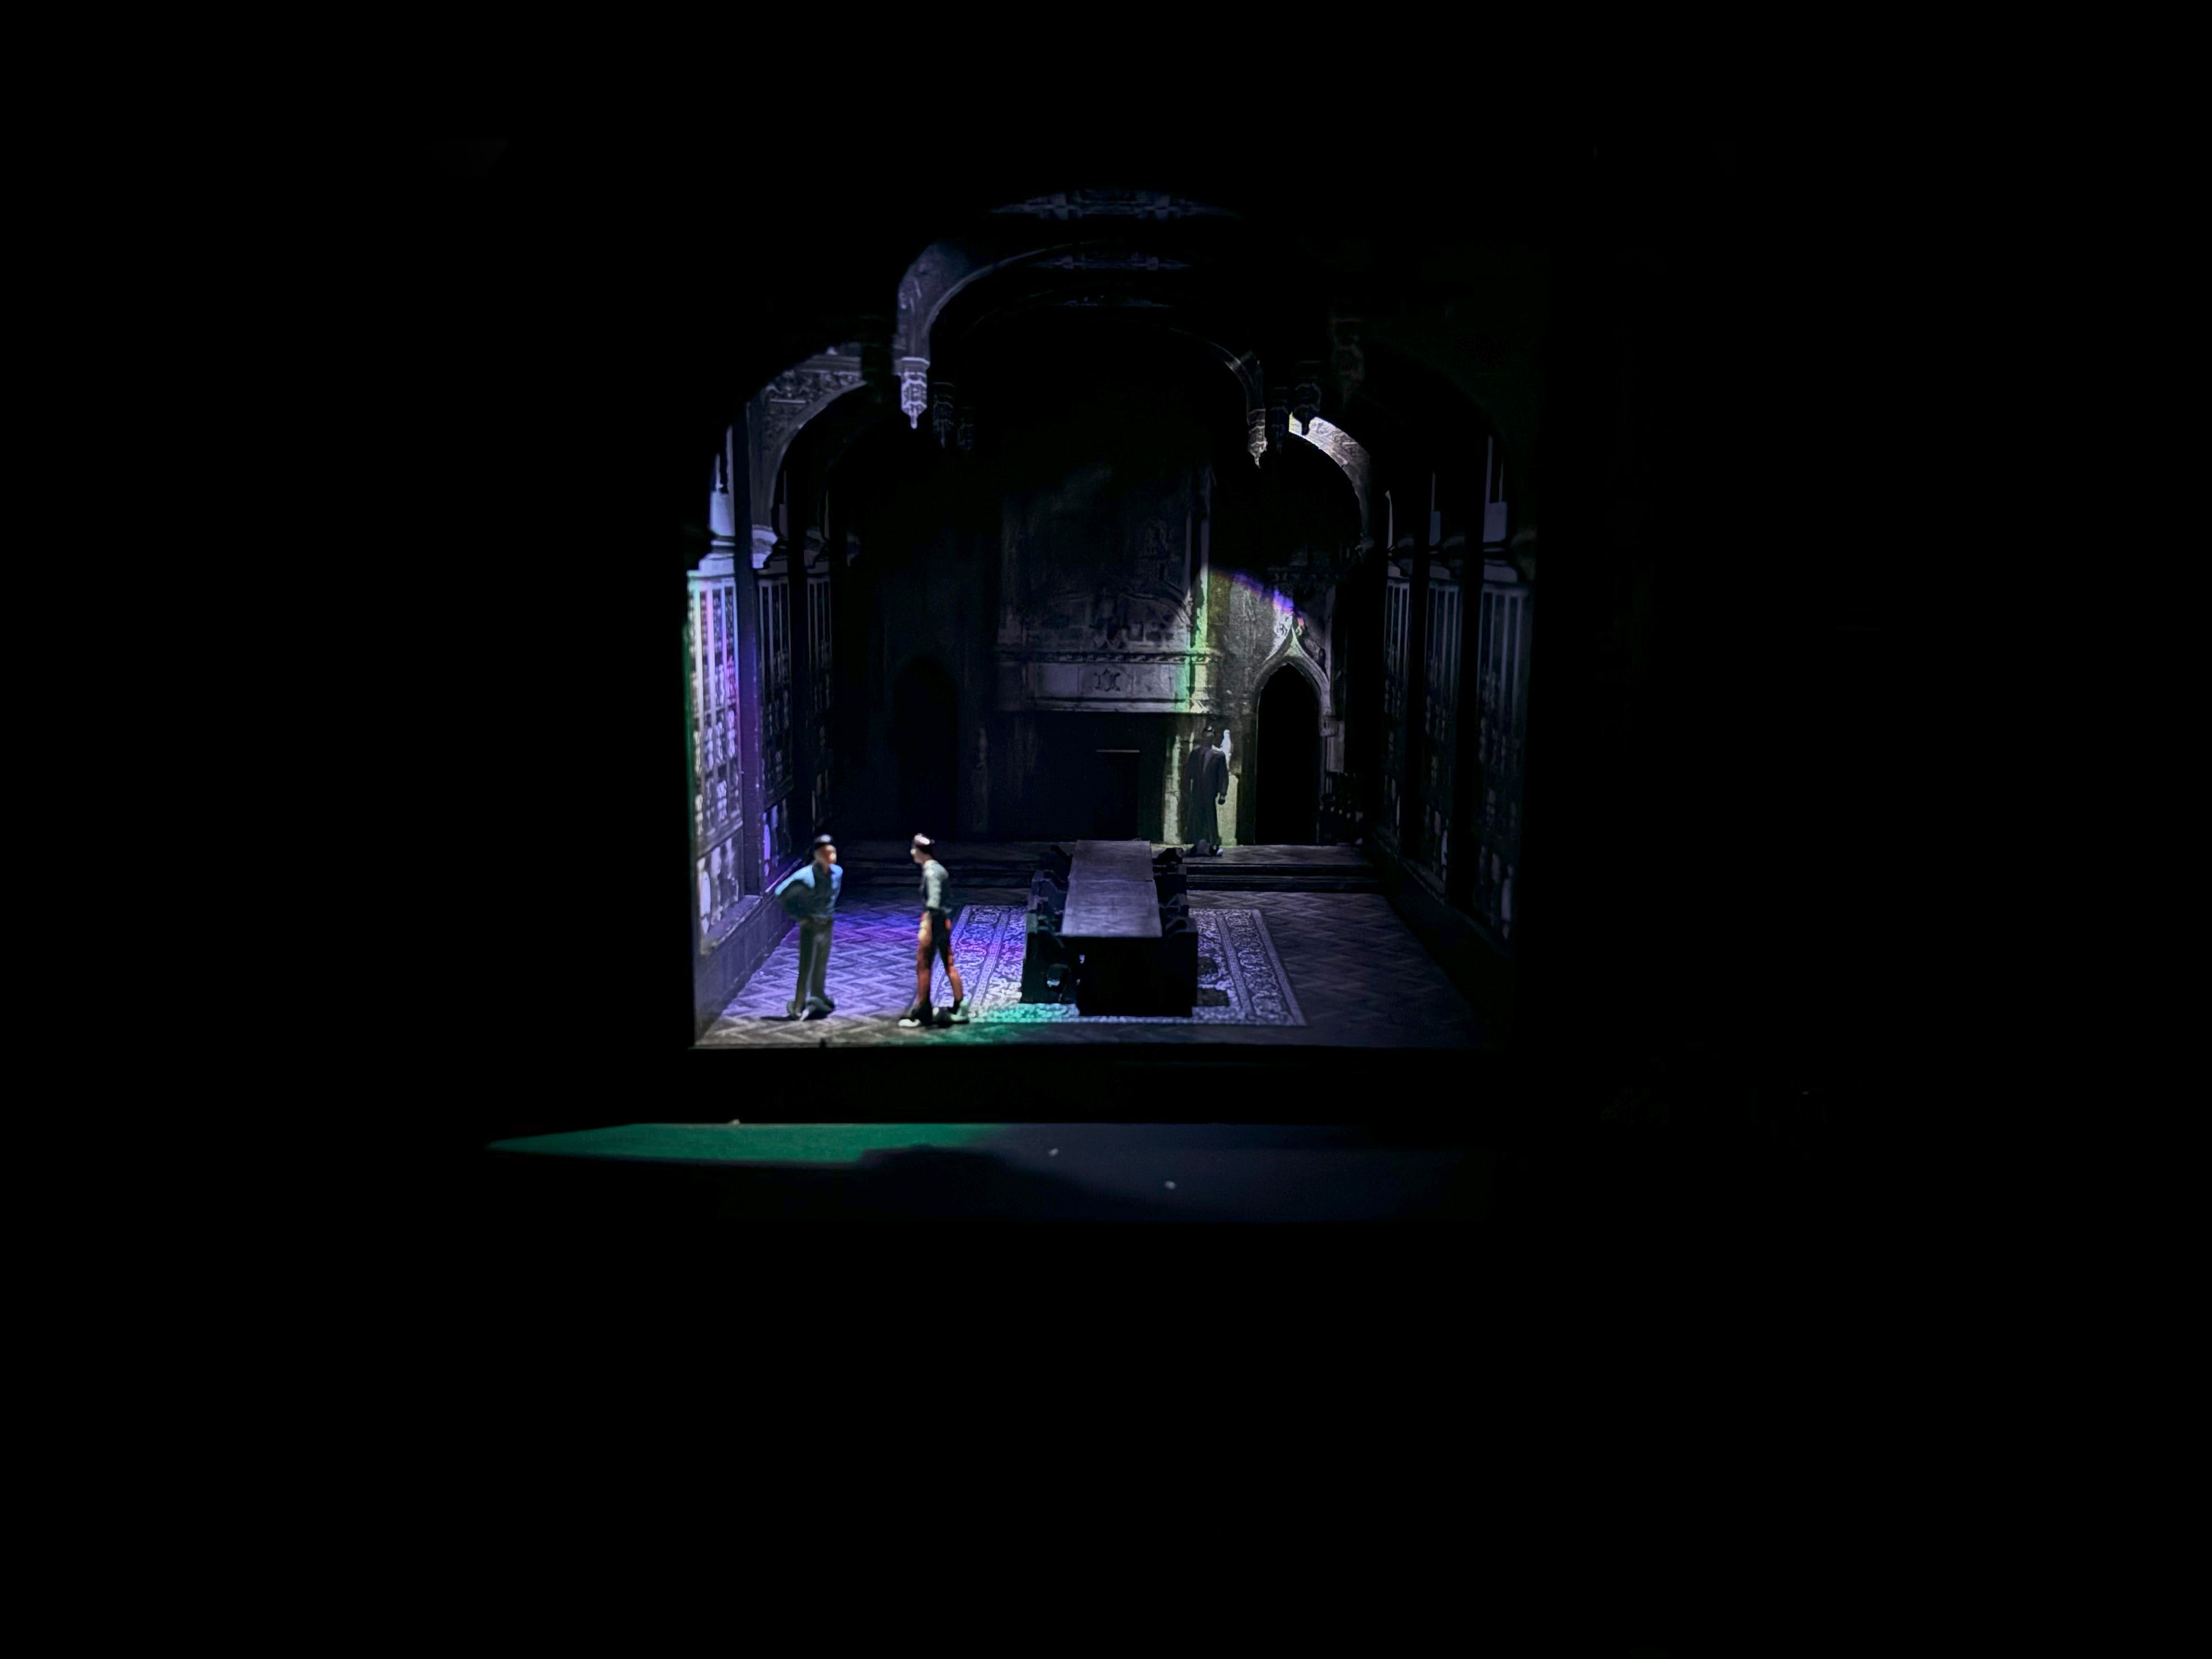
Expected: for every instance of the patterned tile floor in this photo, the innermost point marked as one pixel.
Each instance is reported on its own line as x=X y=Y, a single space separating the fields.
x=1354 y=970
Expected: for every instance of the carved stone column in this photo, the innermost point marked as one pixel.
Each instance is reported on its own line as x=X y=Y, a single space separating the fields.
x=1171 y=788
x=1227 y=810
x=1203 y=591
x=979 y=784
x=941 y=412
x=806 y=557
x=1305 y=397
x=722 y=506
x=1278 y=420
x=1347 y=361
x=1411 y=795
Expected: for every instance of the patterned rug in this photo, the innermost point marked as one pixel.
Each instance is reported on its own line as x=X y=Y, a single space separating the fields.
x=1241 y=980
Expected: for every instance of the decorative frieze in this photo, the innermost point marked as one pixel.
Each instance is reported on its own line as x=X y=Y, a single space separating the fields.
x=1114 y=204
x=1097 y=261
x=793 y=397
x=1151 y=682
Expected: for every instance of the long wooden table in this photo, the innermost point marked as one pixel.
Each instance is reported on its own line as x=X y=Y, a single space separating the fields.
x=1110 y=893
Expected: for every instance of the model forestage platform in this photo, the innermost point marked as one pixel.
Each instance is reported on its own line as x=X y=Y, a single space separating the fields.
x=1169 y=1172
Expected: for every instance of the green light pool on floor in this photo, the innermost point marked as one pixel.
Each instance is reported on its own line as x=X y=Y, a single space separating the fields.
x=747 y=1143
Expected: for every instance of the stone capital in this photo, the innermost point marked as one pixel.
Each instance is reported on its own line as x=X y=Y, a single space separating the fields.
x=914 y=389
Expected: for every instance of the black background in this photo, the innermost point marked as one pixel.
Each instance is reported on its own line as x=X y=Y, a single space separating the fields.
x=550 y=341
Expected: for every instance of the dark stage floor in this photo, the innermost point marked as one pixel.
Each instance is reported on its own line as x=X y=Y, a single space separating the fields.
x=656 y=1198
x=1105 y=1172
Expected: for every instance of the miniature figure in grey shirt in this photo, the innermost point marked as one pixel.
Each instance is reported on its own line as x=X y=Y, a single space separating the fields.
x=935 y=940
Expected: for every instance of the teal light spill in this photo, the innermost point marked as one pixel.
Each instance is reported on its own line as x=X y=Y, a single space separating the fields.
x=747 y=1143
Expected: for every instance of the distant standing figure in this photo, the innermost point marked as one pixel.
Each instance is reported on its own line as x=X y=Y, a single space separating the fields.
x=935 y=940
x=810 y=898
x=1198 y=821
x=1205 y=785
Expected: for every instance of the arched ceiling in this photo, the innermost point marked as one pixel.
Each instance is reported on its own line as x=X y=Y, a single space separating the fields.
x=1264 y=299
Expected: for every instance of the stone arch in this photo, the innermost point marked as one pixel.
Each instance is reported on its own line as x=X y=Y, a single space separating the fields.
x=1333 y=440
x=1350 y=458
x=781 y=408
x=1290 y=656
x=944 y=270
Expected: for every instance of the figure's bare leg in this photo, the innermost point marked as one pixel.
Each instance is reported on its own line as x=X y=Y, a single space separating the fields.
x=921 y=968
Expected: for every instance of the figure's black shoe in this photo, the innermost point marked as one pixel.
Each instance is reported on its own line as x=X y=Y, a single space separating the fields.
x=959 y=1014
x=819 y=1010
x=911 y=1019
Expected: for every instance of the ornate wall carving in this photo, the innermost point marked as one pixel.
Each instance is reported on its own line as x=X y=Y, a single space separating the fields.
x=1098 y=597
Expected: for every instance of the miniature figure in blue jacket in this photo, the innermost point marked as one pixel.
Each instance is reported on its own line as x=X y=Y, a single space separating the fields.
x=810 y=898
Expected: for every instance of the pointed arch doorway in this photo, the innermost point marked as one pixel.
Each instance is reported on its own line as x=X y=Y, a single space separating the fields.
x=1286 y=761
